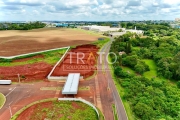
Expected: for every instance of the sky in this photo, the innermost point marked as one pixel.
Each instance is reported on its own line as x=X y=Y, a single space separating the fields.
x=88 y=10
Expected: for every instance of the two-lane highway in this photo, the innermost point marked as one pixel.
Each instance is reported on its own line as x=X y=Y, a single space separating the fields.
x=117 y=99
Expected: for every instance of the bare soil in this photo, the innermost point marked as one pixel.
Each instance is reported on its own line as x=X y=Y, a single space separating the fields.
x=28 y=73
x=86 y=66
x=20 y=42
x=26 y=115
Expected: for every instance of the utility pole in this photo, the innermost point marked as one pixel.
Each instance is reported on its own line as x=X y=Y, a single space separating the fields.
x=18 y=77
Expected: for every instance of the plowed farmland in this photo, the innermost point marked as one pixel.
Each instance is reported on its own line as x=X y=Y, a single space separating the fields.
x=20 y=42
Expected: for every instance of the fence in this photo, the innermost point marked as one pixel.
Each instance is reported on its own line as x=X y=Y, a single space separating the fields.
x=11 y=57
x=53 y=77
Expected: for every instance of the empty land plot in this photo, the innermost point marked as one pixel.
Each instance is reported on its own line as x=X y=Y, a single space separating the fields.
x=20 y=42
x=86 y=67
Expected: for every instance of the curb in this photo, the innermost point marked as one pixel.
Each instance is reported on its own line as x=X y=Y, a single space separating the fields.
x=12 y=57
x=4 y=101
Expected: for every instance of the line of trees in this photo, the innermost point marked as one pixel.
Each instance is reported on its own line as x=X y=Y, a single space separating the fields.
x=21 y=26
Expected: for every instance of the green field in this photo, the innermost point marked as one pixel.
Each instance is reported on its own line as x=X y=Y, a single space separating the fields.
x=89 y=32
x=153 y=72
x=128 y=70
x=153 y=69
x=101 y=43
x=50 y=57
x=2 y=100
x=60 y=110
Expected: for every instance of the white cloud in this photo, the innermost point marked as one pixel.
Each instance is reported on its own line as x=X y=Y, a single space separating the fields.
x=23 y=10
x=172 y=2
x=35 y=12
x=81 y=2
x=88 y=9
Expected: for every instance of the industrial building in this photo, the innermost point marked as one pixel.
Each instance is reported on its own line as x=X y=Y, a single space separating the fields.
x=115 y=34
x=100 y=28
x=62 y=25
x=177 y=19
x=135 y=31
x=111 y=31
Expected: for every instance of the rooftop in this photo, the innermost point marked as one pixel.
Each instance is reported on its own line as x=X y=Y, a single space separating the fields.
x=72 y=83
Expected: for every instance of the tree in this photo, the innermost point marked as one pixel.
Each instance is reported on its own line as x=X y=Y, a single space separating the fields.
x=178 y=84
x=143 y=111
x=177 y=61
x=123 y=25
x=128 y=47
x=120 y=30
x=139 y=68
x=130 y=60
x=120 y=60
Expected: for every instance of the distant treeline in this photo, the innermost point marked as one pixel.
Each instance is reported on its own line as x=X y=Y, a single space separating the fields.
x=145 y=26
x=21 y=26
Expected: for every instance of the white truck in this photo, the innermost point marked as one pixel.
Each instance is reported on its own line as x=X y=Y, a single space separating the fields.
x=5 y=82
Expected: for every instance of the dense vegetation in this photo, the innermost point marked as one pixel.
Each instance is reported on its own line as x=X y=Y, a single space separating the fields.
x=21 y=26
x=154 y=29
x=150 y=98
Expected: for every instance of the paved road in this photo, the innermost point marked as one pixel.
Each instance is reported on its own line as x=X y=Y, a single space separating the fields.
x=118 y=102
x=19 y=95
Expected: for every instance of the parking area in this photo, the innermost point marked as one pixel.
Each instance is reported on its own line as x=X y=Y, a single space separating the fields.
x=20 y=95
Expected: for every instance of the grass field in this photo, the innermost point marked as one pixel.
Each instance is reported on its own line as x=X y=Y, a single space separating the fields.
x=101 y=43
x=136 y=48
x=50 y=57
x=2 y=100
x=153 y=72
x=61 y=110
x=89 y=32
x=153 y=69
x=128 y=70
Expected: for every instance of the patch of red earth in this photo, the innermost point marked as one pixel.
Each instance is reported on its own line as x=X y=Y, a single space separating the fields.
x=31 y=72
x=85 y=65
x=75 y=105
x=31 y=111
x=29 y=58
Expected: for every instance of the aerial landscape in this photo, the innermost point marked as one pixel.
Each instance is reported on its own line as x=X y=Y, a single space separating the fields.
x=89 y=60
